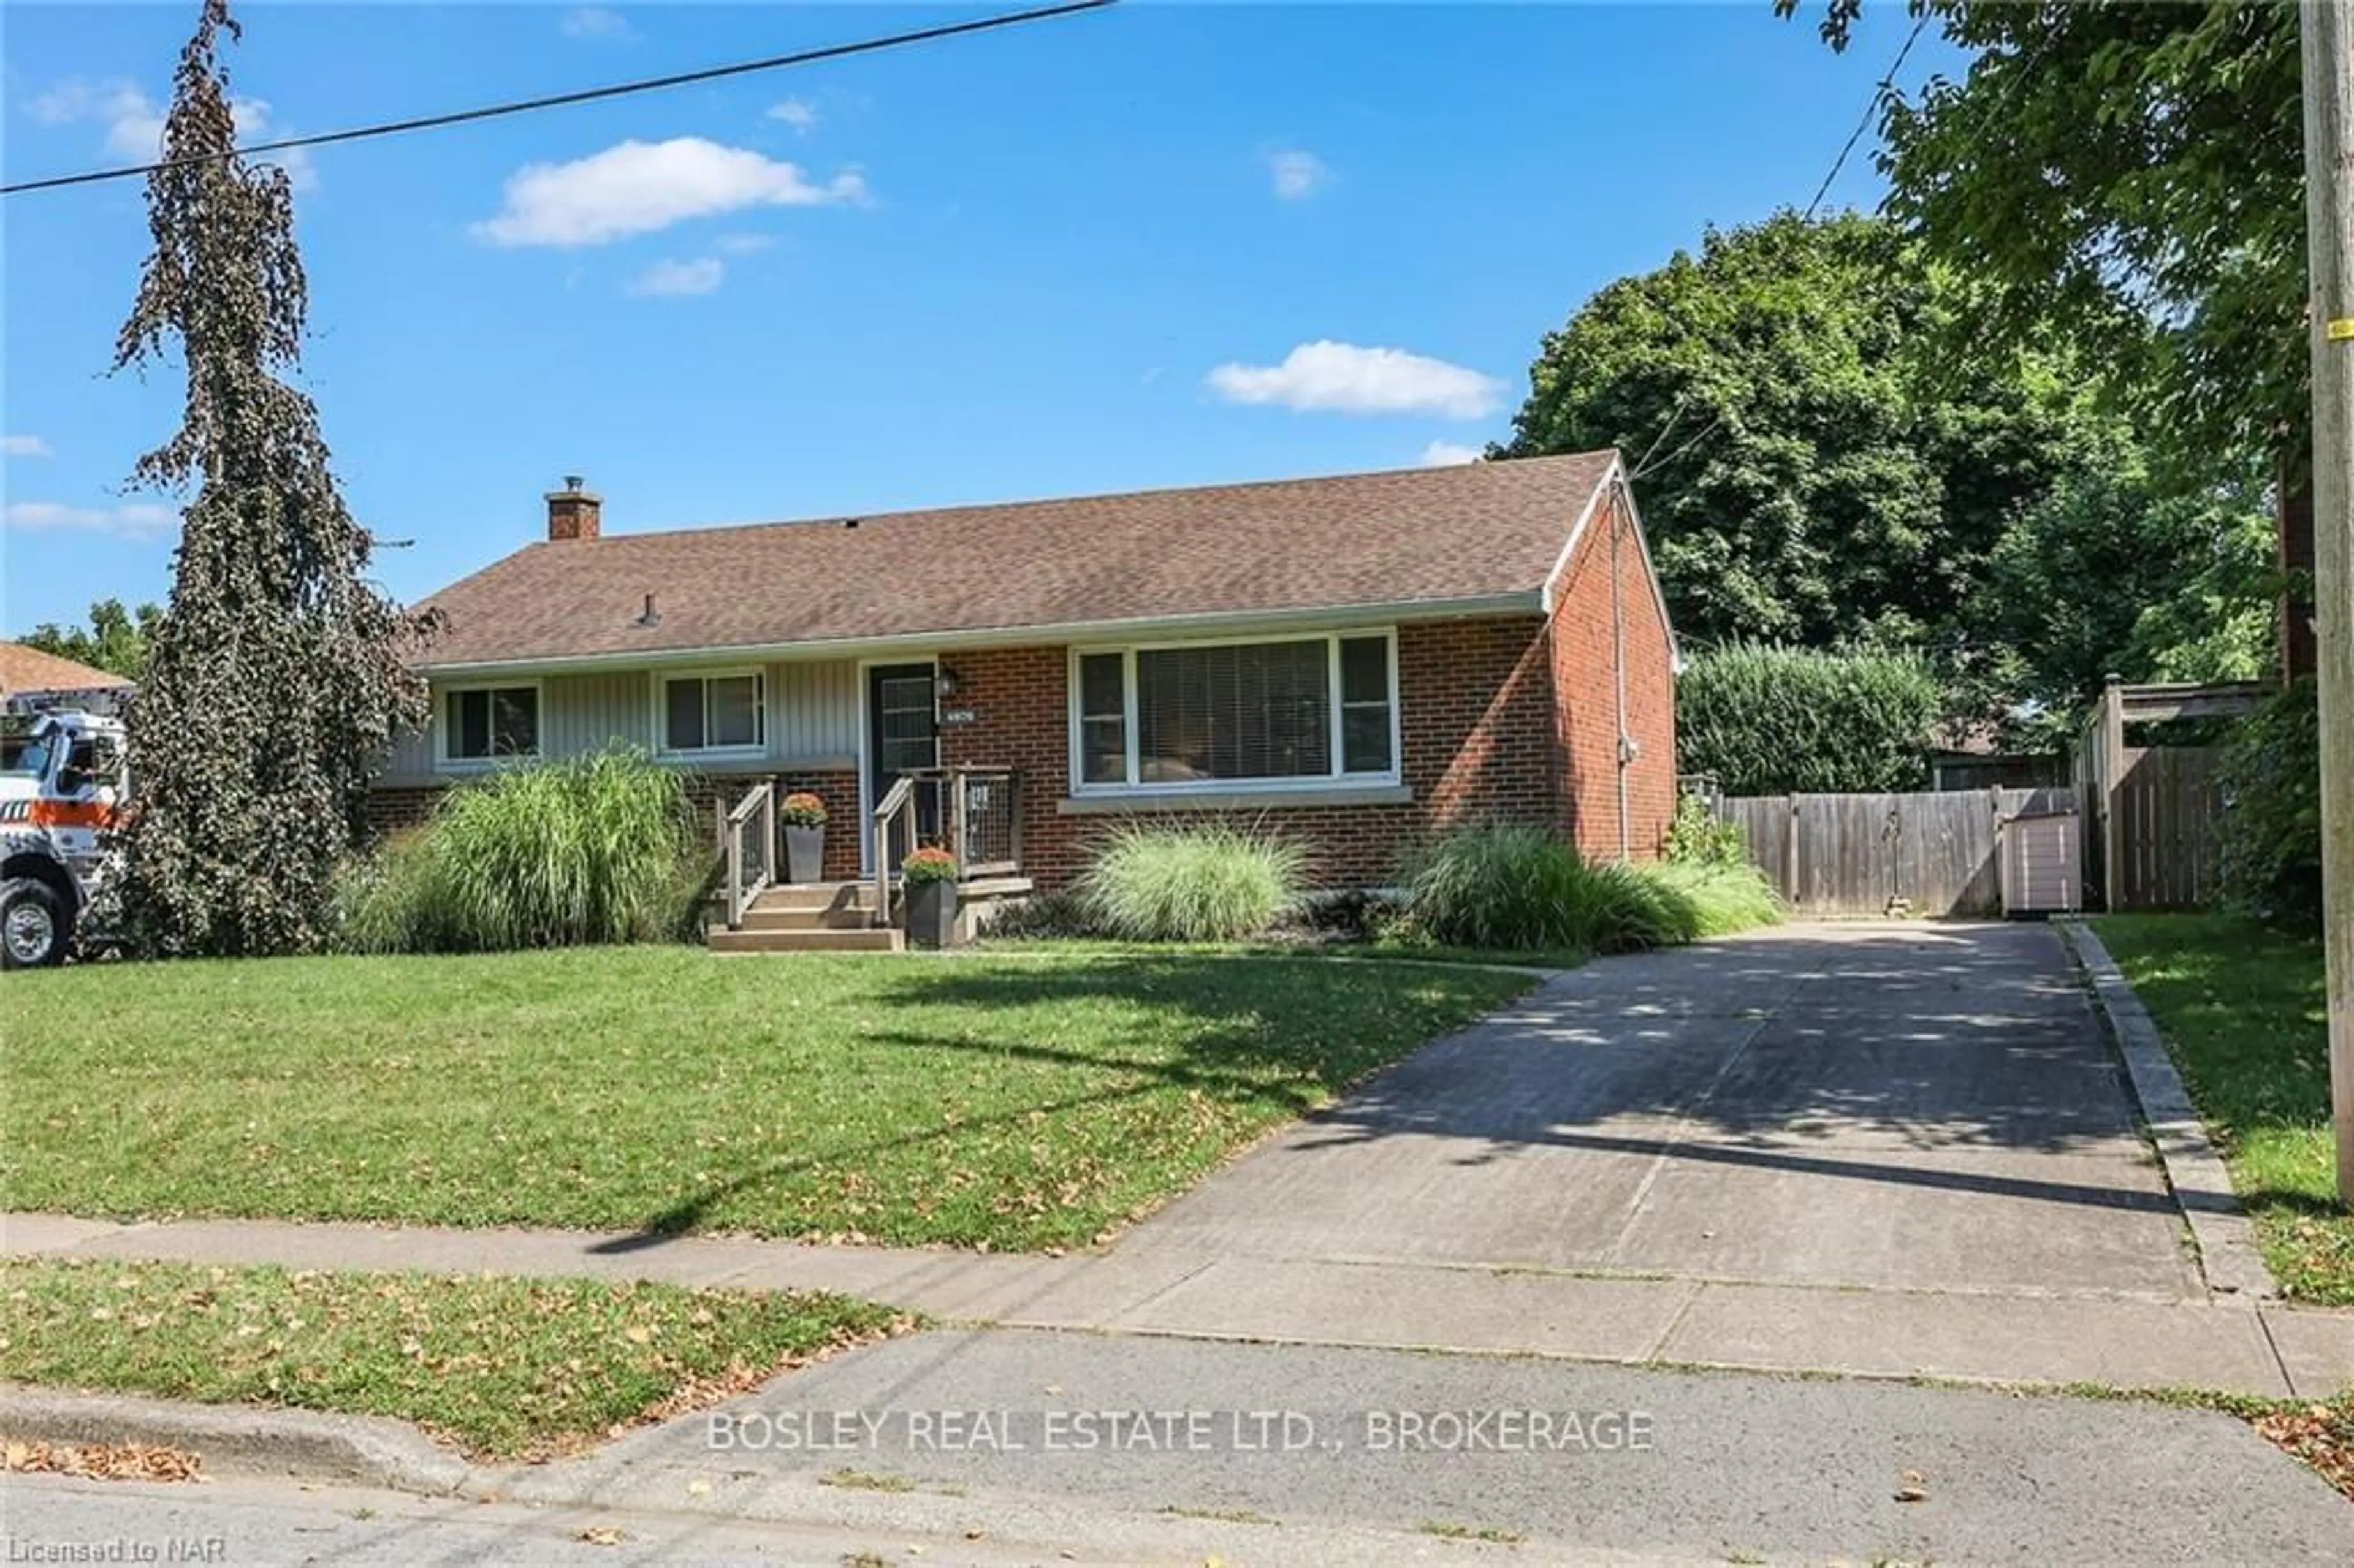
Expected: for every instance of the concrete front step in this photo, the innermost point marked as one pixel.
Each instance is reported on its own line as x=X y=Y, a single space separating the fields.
x=814 y=897
x=757 y=918
x=824 y=939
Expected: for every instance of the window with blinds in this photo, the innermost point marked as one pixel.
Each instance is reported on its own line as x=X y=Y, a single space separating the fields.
x=1291 y=710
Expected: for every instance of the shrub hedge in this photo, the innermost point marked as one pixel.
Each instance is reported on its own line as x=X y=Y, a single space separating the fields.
x=1768 y=721
x=2270 y=849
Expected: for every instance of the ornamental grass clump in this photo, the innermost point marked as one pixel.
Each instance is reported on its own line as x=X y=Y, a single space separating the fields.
x=592 y=849
x=1718 y=898
x=1514 y=888
x=1203 y=883
x=1504 y=886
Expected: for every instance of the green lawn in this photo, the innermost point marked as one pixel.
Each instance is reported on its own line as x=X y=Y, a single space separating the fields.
x=1018 y=1102
x=507 y=1368
x=2242 y=1009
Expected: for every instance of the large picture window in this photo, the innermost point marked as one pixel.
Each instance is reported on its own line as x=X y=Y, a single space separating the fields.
x=484 y=723
x=713 y=713
x=1296 y=710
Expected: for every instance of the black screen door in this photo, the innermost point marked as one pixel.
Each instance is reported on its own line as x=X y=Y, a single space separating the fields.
x=902 y=733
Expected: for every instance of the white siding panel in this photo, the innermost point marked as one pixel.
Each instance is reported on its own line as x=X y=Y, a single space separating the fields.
x=412 y=754
x=814 y=709
x=813 y=714
x=580 y=714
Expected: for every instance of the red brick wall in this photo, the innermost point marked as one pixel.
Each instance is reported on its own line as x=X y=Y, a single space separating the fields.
x=1587 y=714
x=709 y=793
x=393 y=811
x=1476 y=710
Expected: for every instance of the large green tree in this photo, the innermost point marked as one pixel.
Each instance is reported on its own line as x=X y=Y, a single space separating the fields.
x=276 y=678
x=116 y=639
x=2113 y=572
x=2132 y=173
x=1810 y=471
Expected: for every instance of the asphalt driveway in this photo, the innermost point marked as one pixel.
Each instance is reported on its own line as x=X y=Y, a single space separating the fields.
x=1893 y=1106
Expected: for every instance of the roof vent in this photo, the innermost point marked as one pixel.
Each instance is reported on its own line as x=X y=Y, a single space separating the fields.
x=652 y=617
x=849 y=521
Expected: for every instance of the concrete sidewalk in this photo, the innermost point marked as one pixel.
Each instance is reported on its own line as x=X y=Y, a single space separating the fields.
x=1636 y=1321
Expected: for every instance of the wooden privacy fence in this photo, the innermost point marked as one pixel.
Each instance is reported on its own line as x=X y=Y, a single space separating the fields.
x=2156 y=803
x=1853 y=854
x=2164 y=813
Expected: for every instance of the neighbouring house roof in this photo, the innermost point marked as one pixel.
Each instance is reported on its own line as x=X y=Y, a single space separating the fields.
x=1484 y=536
x=24 y=669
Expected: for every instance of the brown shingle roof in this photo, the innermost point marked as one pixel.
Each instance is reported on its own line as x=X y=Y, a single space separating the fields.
x=1418 y=536
x=24 y=669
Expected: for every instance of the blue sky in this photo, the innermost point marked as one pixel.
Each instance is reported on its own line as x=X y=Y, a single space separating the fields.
x=1164 y=244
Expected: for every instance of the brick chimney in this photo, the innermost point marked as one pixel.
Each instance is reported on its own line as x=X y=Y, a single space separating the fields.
x=572 y=512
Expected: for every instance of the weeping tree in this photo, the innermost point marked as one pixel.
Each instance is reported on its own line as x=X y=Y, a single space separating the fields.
x=277 y=676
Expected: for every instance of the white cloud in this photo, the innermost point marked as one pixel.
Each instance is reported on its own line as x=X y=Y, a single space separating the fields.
x=1297 y=173
x=798 y=112
x=743 y=244
x=1449 y=454
x=1342 y=377
x=137 y=520
x=23 y=446
x=134 y=123
x=700 y=276
x=636 y=188
x=597 y=22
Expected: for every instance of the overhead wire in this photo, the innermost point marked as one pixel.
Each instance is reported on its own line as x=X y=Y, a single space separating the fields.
x=583 y=95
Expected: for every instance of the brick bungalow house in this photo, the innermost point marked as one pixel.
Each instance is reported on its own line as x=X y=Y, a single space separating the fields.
x=1353 y=660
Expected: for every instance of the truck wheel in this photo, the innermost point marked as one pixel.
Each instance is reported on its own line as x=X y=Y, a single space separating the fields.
x=33 y=926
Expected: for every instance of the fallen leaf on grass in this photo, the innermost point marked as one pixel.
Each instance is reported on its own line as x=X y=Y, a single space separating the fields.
x=2320 y=1435
x=104 y=1461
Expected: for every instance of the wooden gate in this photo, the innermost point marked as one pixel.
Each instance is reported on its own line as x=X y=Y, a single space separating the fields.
x=2168 y=806
x=1855 y=855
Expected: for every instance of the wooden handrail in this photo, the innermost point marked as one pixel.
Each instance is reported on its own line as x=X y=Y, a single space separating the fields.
x=962 y=824
x=900 y=798
x=759 y=803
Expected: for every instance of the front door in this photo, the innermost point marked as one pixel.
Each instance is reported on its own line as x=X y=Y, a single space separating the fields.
x=903 y=732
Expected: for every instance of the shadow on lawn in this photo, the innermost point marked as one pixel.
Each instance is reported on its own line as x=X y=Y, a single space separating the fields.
x=1780 y=1052
x=1250 y=1037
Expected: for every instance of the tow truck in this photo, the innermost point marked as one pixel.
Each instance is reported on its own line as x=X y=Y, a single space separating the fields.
x=62 y=787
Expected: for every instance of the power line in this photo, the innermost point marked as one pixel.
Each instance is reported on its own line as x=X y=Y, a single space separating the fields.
x=1879 y=96
x=585 y=95
x=1887 y=84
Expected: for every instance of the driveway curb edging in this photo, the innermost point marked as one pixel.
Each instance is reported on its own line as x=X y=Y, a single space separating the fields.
x=244 y=1440
x=2228 y=1255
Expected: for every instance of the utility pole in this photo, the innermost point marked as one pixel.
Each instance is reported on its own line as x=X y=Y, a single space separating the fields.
x=2329 y=45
